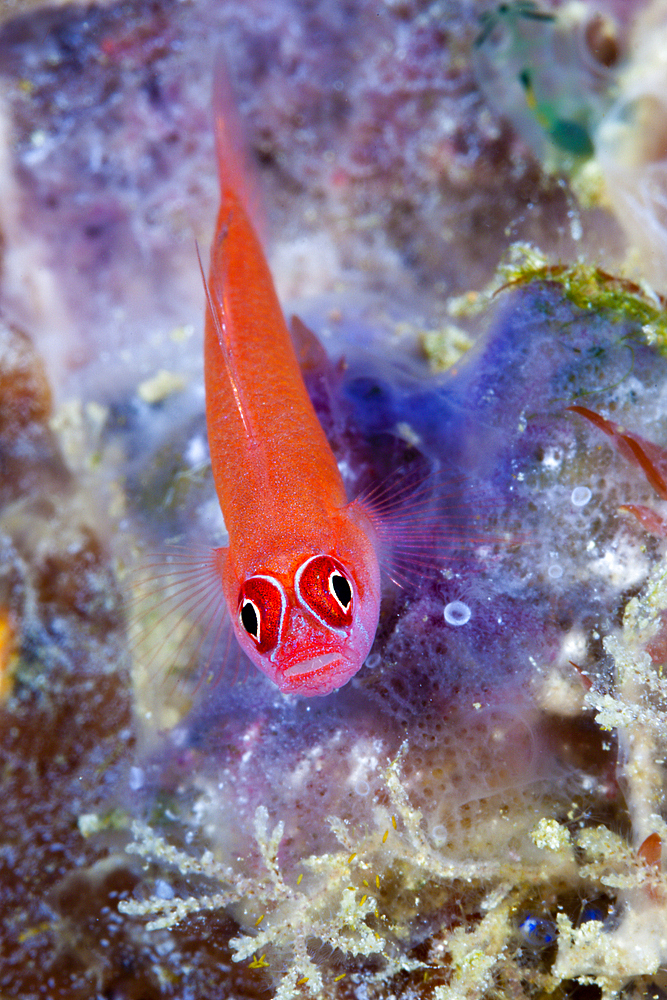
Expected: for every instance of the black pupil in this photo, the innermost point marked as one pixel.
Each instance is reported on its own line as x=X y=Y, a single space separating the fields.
x=341 y=589
x=250 y=620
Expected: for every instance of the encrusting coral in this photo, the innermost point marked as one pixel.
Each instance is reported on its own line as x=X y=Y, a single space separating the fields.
x=340 y=899
x=463 y=835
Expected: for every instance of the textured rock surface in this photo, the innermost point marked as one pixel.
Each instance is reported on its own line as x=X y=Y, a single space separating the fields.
x=464 y=823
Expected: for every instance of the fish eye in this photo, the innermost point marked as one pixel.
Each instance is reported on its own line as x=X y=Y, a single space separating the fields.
x=323 y=586
x=250 y=618
x=340 y=588
x=261 y=609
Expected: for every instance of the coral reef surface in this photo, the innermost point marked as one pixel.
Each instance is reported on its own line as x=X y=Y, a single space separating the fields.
x=480 y=812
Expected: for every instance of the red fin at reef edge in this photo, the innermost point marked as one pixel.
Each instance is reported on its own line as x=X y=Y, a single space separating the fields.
x=650 y=458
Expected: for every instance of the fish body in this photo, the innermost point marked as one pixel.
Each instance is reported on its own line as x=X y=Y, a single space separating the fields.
x=300 y=574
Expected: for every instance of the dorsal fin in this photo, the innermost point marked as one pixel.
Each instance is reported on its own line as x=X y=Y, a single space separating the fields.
x=218 y=317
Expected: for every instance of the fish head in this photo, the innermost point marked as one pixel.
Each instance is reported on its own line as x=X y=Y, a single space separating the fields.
x=310 y=629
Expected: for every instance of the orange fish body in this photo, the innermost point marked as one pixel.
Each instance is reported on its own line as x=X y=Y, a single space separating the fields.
x=300 y=574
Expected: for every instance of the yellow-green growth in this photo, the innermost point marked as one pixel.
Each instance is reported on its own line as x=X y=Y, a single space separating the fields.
x=590 y=288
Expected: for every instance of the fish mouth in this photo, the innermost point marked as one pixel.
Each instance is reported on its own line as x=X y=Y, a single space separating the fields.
x=318 y=675
x=310 y=666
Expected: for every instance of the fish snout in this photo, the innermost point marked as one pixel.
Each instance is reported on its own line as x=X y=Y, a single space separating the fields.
x=316 y=673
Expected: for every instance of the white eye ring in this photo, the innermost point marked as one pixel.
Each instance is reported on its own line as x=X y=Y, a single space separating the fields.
x=332 y=590
x=302 y=600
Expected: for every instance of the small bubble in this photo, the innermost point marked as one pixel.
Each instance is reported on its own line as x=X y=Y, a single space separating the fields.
x=373 y=660
x=136 y=778
x=196 y=451
x=457 y=613
x=537 y=932
x=362 y=788
x=576 y=228
x=555 y=571
x=580 y=496
x=163 y=890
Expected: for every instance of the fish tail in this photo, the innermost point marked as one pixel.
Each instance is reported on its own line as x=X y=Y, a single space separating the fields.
x=238 y=180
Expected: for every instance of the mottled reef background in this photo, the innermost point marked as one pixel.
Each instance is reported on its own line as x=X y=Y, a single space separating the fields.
x=480 y=813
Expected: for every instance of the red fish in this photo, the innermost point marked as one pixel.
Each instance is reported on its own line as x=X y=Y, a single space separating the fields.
x=300 y=574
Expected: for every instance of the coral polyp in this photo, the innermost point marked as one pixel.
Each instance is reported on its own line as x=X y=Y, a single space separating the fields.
x=457 y=613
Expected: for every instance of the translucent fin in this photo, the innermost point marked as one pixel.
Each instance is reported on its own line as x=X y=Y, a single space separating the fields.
x=216 y=310
x=424 y=523
x=239 y=201
x=309 y=351
x=180 y=631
